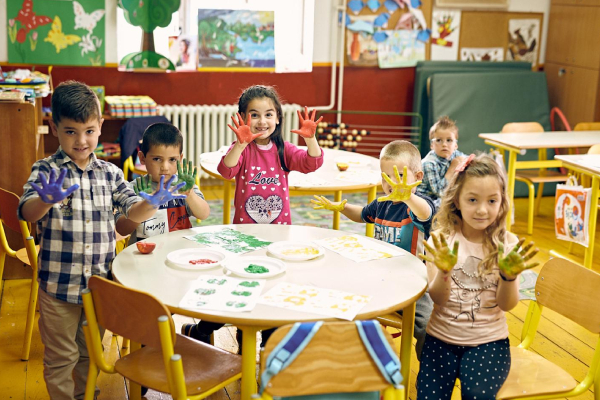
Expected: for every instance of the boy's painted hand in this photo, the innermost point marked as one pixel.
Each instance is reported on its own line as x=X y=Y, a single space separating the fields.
x=185 y=175
x=308 y=125
x=163 y=195
x=51 y=191
x=143 y=184
x=401 y=191
x=242 y=131
x=322 y=202
x=514 y=262
x=443 y=258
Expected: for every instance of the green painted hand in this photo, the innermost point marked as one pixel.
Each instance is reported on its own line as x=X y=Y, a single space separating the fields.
x=514 y=262
x=322 y=202
x=443 y=258
x=143 y=184
x=184 y=174
x=401 y=190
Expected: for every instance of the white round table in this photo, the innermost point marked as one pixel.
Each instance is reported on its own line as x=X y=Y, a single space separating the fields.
x=394 y=284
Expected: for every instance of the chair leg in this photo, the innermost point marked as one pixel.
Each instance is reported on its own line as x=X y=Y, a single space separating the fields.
x=90 y=385
x=33 y=296
x=538 y=198
x=530 y=208
x=2 y=260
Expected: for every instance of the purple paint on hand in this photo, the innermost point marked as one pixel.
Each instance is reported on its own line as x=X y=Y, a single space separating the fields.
x=163 y=195
x=51 y=191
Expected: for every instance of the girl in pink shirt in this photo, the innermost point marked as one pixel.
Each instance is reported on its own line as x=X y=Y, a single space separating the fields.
x=260 y=160
x=467 y=335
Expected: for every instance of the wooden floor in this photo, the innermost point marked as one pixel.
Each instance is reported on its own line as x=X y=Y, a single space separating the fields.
x=558 y=340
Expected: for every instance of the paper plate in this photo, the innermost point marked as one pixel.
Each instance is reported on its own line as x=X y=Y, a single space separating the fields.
x=184 y=258
x=242 y=266
x=295 y=251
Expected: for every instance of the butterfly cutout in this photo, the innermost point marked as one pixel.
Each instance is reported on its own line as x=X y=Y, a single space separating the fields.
x=58 y=38
x=29 y=20
x=84 y=20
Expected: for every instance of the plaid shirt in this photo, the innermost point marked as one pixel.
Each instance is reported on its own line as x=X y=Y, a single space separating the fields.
x=434 y=169
x=77 y=235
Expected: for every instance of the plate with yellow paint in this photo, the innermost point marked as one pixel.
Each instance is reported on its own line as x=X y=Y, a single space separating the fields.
x=295 y=251
x=256 y=267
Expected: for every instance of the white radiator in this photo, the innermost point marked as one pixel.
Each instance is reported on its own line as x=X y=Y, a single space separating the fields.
x=204 y=127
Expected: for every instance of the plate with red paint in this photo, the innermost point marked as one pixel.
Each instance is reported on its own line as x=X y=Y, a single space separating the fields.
x=195 y=259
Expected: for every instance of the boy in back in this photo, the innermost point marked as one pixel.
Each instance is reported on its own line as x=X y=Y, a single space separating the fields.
x=402 y=217
x=439 y=164
x=161 y=153
x=76 y=230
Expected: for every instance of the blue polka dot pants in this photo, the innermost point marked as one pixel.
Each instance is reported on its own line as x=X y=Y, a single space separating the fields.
x=482 y=369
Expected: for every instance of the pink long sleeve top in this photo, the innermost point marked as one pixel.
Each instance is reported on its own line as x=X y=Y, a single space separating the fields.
x=261 y=184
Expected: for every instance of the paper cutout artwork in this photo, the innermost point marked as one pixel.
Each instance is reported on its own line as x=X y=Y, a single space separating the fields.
x=361 y=48
x=222 y=293
x=481 y=54
x=358 y=248
x=314 y=300
x=523 y=40
x=445 y=34
x=230 y=240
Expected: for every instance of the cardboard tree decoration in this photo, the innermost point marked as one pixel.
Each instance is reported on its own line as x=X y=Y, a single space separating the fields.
x=148 y=14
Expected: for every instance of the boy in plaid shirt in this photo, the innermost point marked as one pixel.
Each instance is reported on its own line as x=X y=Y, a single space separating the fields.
x=439 y=164
x=76 y=230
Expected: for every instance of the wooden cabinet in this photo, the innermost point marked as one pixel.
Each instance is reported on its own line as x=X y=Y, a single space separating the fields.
x=21 y=144
x=573 y=59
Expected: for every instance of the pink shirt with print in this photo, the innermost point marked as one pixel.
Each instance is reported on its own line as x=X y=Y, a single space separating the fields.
x=261 y=184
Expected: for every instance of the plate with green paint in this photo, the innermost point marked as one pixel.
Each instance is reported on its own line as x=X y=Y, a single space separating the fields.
x=254 y=267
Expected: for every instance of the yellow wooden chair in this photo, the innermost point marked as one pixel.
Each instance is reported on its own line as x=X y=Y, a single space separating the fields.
x=9 y=202
x=160 y=365
x=130 y=167
x=587 y=126
x=530 y=177
x=334 y=361
x=571 y=291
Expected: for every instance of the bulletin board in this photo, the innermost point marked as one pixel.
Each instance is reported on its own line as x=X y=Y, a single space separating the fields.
x=490 y=29
x=425 y=7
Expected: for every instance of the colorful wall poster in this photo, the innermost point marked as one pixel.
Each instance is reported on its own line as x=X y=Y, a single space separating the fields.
x=183 y=52
x=482 y=54
x=236 y=38
x=400 y=49
x=523 y=40
x=222 y=293
x=361 y=48
x=56 y=32
x=445 y=34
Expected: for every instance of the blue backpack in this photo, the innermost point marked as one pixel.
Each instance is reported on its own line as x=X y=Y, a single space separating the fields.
x=301 y=334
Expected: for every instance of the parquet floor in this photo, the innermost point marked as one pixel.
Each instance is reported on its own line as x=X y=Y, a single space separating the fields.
x=564 y=343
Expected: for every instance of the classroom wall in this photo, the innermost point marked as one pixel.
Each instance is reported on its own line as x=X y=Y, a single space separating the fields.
x=364 y=88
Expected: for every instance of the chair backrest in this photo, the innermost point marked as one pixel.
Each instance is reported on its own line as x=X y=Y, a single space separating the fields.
x=595 y=149
x=522 y=127
x=9 y=203
x=587 y=126
x=334 y=361
x=570 y=290
x=127 y=312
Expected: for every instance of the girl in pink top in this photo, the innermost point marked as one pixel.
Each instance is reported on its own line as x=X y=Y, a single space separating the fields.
x=467 y=335
x=260 y=160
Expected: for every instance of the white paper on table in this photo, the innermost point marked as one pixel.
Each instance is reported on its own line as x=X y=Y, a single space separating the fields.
x=222 y=293
x=307 y=180
x=358 y=248
x=329 y=302
x=227 y=240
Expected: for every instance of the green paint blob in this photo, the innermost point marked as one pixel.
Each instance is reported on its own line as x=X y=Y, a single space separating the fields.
x=204 y=292
x=249 y=284
x=256 y=269
x=236 y=304
x=244 y=293
x=217 y=281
